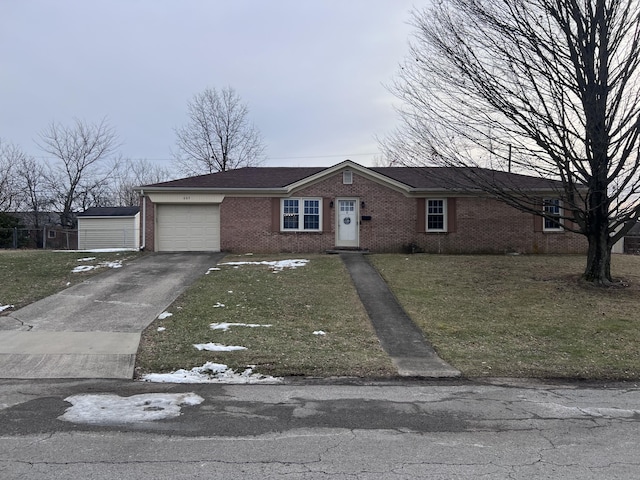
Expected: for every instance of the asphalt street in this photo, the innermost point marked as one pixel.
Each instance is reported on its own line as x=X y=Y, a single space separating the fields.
x=342 y=430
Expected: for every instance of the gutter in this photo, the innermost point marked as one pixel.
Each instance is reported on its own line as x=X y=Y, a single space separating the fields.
x=144 y=220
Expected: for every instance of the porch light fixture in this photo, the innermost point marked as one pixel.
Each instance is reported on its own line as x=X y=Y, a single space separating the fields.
x=362 y=204
x=331 y=204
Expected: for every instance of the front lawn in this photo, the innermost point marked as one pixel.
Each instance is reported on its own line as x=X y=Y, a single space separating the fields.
x=521 y=316
x=318 y=327
x=29 y=275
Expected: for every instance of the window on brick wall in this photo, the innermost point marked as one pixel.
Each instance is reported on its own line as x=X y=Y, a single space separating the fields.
x=301 y=215
x=552 y=221
x=436 y=215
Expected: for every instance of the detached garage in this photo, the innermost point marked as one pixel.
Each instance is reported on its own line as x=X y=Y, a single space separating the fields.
x=109 y=227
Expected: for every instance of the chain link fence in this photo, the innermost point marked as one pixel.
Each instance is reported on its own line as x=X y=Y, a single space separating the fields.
x=65 y=239
x=46 y=238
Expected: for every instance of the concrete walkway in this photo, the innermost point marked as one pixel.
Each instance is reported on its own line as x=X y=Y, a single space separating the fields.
x=92 y=330
x=410 y=352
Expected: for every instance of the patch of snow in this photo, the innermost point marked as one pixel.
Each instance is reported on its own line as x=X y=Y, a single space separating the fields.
x=319 y=332
x=100 y=250
x=164 y=315
x=214 y=269
x=161 y=329
x=86 y=259
x=218 y=305
x=229 y=291
x=109 y=409
x=68 y=283
x=211 y=373
x=83 y=268
x=114 y=264
x=276 y=266
x=5 y=307
x=224 y=326
x=86 y=268
x=218 y=347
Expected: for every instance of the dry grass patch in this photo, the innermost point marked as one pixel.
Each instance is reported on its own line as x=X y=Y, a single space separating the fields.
x=521 y=316
x=29 y=275
x=295 y=302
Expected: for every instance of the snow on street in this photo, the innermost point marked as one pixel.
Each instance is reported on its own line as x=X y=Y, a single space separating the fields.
x=109 y=409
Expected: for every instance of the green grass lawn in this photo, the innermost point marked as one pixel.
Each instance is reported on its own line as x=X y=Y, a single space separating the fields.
x=295 y=302
x=29 y=275
x=521 y=316
x=513 y=316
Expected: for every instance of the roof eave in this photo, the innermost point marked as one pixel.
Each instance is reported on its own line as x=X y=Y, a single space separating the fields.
x=216 y=190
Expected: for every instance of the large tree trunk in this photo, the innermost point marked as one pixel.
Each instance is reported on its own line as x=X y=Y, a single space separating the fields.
x=598 y=269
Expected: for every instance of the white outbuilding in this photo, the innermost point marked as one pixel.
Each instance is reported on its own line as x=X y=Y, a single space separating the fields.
x=109 y=227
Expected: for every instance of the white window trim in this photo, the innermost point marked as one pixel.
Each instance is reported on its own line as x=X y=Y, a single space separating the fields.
x=560 y=226
x=301 y=215
x=444 y=213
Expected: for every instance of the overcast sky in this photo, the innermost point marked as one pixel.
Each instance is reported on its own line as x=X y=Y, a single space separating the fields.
x=311 y=71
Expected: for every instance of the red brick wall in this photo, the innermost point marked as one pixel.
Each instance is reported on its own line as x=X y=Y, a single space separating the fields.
x=482 y=225
x=147 y=216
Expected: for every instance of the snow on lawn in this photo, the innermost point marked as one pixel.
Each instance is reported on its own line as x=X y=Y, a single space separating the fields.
x=217 y=347
x=211 y=373
x=5 y=307
x=224 y=326
x=100 y=250
x=319 y=332
x=108 y=409
x=164 y=315
x=86 y=259
x=276 y=266
x=86 y=268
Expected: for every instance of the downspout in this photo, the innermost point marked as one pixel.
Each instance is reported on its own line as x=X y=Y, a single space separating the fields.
x=144 y=220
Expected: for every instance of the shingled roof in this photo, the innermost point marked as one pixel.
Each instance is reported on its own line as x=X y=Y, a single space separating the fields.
x=110 y=212
x=247 y=177
x=415 y=178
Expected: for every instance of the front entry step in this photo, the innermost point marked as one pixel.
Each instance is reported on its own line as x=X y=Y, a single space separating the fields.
x=339 y=250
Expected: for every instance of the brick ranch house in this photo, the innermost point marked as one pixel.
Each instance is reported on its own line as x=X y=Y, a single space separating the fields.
x=308 y=209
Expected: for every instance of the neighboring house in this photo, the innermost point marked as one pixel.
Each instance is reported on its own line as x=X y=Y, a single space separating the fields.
x=386 y=209
x=109 y=227
x=631 y=241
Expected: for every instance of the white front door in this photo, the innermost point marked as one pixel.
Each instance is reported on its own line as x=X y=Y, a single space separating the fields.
x=348 y=224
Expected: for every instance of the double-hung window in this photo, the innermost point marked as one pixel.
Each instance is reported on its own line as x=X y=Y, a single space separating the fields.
x=436 y=215
x=301 y=214
x=552 y=220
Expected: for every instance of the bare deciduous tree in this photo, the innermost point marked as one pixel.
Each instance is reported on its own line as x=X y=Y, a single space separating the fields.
x=218 y=135
x=128 y=174
x=79 y=172
x=551 y=87
x=34 y=197
x=10 y=156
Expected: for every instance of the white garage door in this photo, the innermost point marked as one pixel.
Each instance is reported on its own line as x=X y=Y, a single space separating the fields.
x=188 y=228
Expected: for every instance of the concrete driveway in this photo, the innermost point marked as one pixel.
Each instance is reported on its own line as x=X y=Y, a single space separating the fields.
x=92 y=330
